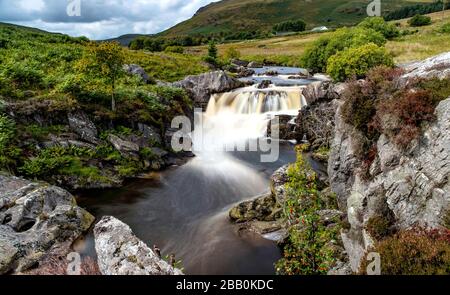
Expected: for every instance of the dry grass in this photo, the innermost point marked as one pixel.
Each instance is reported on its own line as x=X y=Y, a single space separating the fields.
x=427 y=42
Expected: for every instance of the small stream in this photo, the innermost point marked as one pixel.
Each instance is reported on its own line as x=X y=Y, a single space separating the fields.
x=184 y=210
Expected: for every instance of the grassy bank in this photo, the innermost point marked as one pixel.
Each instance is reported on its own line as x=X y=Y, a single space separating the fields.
x=426 y=42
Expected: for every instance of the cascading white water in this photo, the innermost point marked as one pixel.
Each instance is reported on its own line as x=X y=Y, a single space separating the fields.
x=236 y=117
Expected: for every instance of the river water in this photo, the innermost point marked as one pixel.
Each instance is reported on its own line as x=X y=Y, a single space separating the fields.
x=184 y=210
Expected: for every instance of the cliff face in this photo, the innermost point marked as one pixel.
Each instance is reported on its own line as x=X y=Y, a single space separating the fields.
x=408 y=188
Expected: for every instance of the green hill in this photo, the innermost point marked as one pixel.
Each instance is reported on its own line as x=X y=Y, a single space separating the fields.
x=247 y=15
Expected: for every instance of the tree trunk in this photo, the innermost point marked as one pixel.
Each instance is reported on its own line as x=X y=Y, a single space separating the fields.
x=113 y=99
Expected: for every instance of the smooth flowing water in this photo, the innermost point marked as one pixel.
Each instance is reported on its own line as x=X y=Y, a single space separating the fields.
x=184 y=210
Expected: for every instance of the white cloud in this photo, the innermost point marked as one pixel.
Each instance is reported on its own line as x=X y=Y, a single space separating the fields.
x=100 y=19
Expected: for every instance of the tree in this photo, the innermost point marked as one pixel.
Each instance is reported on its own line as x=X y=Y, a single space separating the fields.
x=212 y=50
x=105 y=61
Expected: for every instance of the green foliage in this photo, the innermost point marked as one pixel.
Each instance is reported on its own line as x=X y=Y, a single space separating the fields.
x=411 y=10
x=8 y=152
x=105 y=61
x=212 y=56
x=445 y=28
x=419 y=20
x=316 y=57
x=415 y=252
x=357 y=61
x=290 y=26
x=232 y=53
x=175 y=49
x=378 y=24
x=308 y=250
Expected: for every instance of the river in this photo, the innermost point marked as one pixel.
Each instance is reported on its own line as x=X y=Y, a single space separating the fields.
x=184 y=209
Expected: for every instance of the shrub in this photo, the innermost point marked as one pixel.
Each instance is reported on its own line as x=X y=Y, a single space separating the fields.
x=232 y=53
x=419 y=20
x=316 y=57
x=415 y=252
x=378 y=227
x=308 y=249
x=357 y=61
x=8 y=152
x=378 y=24
x=401 y=118
x=445 y=28
x=174 y=49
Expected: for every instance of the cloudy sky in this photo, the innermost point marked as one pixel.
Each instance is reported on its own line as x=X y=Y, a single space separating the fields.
x=99 y=19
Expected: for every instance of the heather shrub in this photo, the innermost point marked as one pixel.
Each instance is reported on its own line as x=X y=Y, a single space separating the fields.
x=357 y=61
x=415 y=252
x=378 y=227
x=400 y=118
x=419 y=20
x=445 y=28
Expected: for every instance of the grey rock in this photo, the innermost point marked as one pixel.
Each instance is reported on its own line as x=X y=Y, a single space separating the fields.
x=36 y=219
x=202 y=86
x=434 y=67
x=123 y=146
x=414 y=187
x=254 y=65
x=262 y=208
x=120 y=252
x=150 y=133
x=137 y=70
x=278 y=182
x=80 y=123
x=240 y=63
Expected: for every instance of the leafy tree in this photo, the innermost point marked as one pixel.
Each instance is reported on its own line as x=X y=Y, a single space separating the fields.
x=212 y=50
x=357 y=61
x=105 y=61
x=316 y=57
x=378 y=24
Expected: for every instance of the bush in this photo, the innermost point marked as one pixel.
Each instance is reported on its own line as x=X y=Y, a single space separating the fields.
x=357 y=61
x=175 y=49
x=378 y=24
x=308 y=249
x=232 y=53
x=445 y=28
x=401 y=118
x=415 y=252
x=378 y=227
x=419 y=20
x=316 y=57
x=8 y=152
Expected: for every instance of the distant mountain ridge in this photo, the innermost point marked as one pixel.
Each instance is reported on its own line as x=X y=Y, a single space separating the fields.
x=247 y=15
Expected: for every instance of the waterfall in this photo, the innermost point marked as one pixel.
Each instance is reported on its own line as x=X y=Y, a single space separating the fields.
x=236 y=117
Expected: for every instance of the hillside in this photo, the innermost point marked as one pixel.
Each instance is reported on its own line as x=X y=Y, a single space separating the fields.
x=247 y=15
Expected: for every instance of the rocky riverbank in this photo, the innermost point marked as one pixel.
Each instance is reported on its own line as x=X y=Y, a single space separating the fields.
x=389 y=191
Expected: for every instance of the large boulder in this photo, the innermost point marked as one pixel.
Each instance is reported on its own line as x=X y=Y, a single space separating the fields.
x=120 y=252
x=123 y=146
x=138 y=71
x=202 y=86
x=36 y=219
x=80 y=123
x=408 y=188
x=434 y=67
